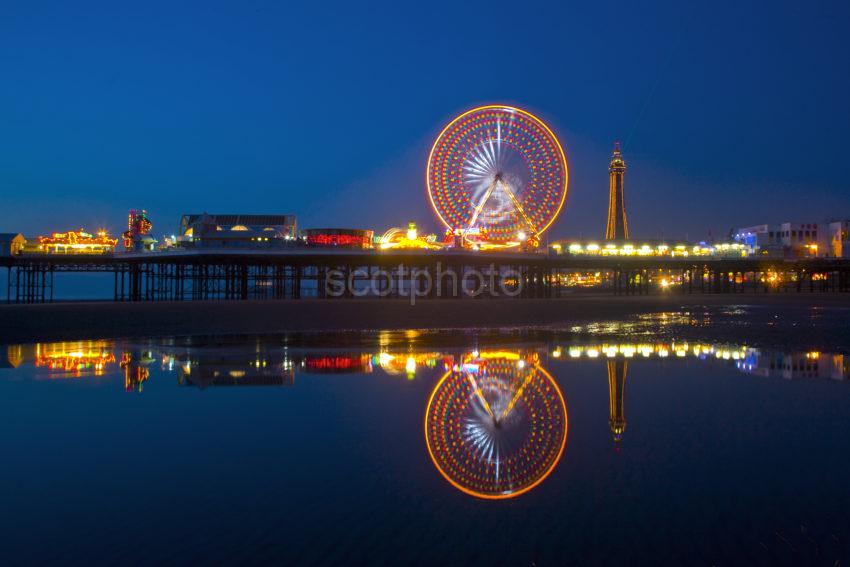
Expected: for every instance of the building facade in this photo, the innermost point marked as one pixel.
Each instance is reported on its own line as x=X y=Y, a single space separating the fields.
x=783 y=240
x=338 y=237
x=236 y=230
x=11 y=243
x=837 y=239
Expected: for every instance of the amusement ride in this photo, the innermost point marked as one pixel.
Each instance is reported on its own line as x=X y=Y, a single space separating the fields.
x=497 y=178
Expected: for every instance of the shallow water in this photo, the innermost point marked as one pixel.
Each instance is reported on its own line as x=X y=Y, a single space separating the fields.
x=410 y=447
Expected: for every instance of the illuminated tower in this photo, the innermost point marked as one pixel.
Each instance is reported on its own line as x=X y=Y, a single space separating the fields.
x=617 y=369
x=618 y=228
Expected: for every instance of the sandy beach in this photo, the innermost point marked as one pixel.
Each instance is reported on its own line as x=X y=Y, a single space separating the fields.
x=86 y=320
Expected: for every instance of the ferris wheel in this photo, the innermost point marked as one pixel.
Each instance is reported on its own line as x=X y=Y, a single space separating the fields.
x=497 y=176
x=496 y=425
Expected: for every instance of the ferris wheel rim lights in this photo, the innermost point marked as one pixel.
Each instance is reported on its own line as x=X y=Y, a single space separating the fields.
x=546 y=136
x=502 y=495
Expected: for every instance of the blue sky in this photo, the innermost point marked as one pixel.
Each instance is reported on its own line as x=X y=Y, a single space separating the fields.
x=731 y=113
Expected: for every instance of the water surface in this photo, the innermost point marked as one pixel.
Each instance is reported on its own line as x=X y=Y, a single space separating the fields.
x=411 y=447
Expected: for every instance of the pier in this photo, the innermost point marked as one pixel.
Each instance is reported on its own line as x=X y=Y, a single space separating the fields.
x=342 y=273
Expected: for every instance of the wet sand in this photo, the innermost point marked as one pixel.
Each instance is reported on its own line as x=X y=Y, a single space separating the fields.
x=91 y=320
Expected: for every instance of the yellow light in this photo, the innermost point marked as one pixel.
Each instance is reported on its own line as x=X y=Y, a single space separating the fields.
x=491 y=354
x=575 y=352
x=575 y=247
x=592 y=247
x=556 y=353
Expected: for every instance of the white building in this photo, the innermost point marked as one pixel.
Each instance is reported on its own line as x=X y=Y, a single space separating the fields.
x=787 y=239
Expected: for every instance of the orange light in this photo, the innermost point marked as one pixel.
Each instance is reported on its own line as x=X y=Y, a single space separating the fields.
x=513 y=109
x=502 y=496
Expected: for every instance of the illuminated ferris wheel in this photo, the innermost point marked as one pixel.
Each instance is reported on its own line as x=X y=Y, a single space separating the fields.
x=497 y=176
x=496 y=425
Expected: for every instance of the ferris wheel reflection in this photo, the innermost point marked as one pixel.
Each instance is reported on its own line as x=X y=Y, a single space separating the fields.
x=496 y=424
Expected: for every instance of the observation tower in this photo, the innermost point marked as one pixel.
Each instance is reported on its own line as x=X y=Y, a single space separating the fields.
x=618 y=227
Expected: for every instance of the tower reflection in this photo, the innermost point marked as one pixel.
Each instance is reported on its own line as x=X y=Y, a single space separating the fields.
x=496 y=424
x=617 y=370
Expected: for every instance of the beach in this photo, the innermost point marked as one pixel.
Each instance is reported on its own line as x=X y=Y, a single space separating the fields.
x=91 y=320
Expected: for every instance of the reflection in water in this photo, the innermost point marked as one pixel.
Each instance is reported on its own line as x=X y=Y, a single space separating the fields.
x=407 y=363
x=136 y=369
x=338 y=363
x=496 y=424
x=94 y=358
x=496 y=421
x=72 y=359
x=327 y=434
x=617 y=369
x=219 y=367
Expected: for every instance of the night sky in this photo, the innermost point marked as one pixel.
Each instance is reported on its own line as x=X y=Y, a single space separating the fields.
x=731 y=113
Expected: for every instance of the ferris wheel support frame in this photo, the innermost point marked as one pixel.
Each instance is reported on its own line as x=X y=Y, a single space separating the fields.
x=499 y=180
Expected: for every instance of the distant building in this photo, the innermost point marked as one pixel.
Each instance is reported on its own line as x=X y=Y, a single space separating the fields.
x=784 y=240
x=338 y=237
x=801 y=239
x=72 y=242
x=236 y=230
x=11 y=243
x=754 y=236
x=836 y=239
